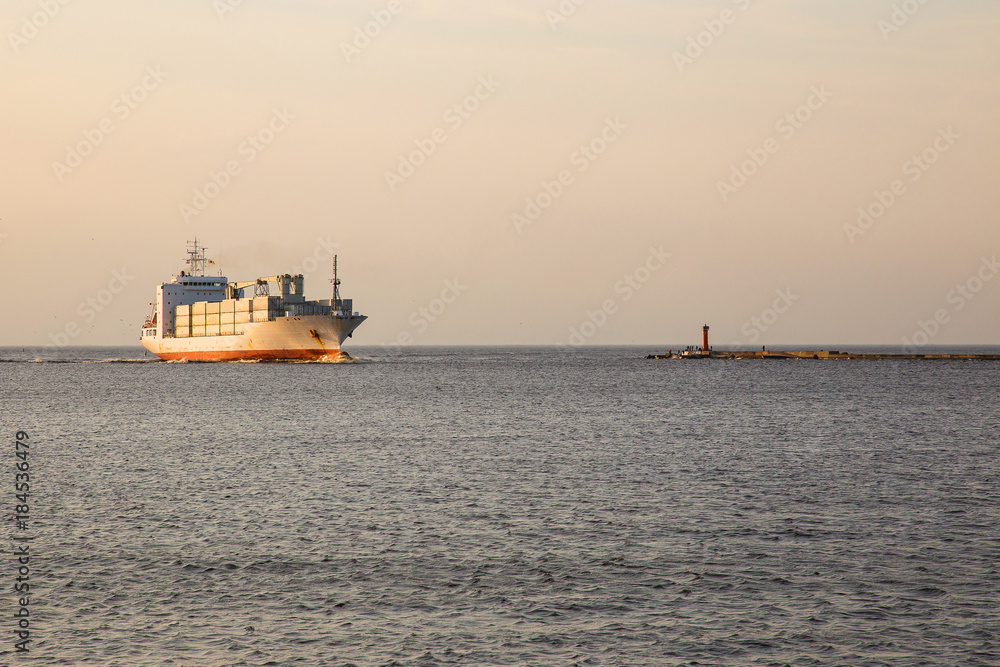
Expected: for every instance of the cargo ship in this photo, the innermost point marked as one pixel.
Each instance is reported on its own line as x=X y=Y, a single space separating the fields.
x=198 y=317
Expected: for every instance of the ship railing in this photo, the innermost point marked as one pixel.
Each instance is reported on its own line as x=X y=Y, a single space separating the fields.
x=306 y=310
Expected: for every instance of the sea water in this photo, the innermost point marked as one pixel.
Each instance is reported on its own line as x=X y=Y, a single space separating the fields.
x=495 y=506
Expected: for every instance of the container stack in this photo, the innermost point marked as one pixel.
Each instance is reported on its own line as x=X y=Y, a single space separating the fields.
x=224 y=318
x=182 y=321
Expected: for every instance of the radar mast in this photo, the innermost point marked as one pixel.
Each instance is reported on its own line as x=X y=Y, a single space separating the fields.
x=196 y=258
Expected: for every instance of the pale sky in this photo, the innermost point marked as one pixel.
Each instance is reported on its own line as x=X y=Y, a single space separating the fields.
x=723 y=179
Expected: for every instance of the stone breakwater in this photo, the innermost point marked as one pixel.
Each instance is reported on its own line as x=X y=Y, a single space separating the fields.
x=814 y=354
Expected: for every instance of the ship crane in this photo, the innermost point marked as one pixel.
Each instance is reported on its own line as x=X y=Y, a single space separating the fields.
x=260 y=288
x=290 y=287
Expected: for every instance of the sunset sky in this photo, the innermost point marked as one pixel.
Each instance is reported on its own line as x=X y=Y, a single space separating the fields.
x=789 y=171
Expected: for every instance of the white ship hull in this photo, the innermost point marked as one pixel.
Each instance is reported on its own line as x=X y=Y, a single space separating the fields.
x=311 y=338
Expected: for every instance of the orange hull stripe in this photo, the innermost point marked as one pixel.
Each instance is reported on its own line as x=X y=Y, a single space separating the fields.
x=249 y=355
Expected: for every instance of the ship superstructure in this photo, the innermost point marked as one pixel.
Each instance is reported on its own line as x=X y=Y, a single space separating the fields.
x=198 y=317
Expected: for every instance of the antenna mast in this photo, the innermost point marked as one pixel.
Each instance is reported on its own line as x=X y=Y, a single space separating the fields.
x=196 y=258
x=336 y=286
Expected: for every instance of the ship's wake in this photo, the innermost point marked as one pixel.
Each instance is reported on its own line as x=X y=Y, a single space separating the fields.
x=338 y=358
x=119 y=361
x=79 y=361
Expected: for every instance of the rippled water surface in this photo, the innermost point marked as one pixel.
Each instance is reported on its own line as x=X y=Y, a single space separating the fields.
x=469 y=506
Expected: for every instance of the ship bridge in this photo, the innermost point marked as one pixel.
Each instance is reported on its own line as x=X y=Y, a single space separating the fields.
x=188 y=287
